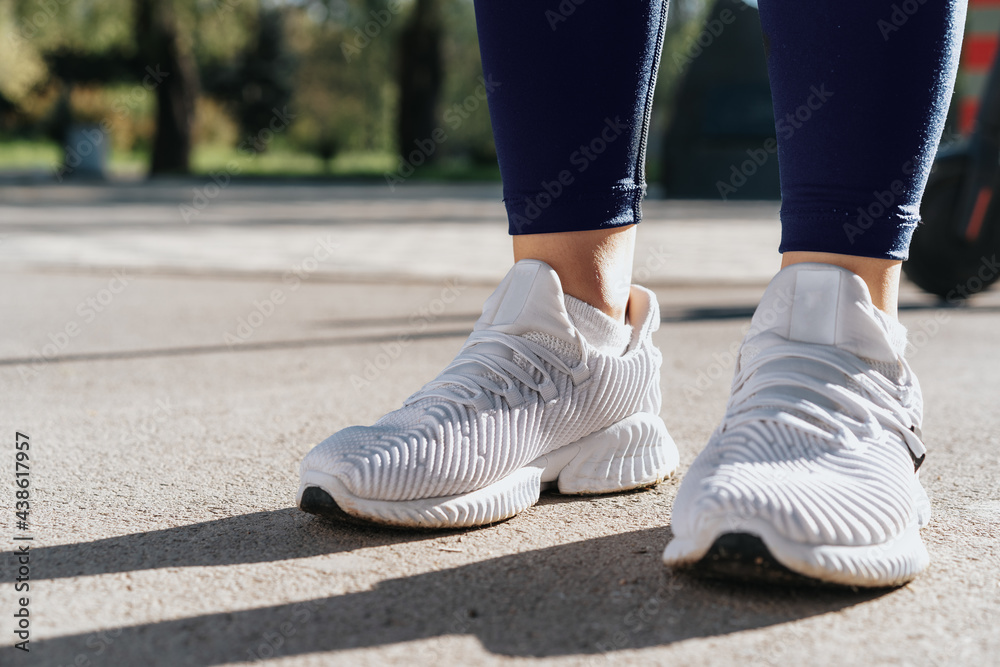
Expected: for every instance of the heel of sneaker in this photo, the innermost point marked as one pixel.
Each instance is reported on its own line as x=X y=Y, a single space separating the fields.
x=632 y=453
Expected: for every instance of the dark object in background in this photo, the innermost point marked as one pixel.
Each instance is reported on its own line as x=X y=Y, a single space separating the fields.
x=720 y=142
x=258 y=84
x=421 y=75
x=8 y=114
x=953 y=253
x=85 y=140
x=176 y=87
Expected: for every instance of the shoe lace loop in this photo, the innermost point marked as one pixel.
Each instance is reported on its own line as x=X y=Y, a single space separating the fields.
x=500 y=375
x=802 y=385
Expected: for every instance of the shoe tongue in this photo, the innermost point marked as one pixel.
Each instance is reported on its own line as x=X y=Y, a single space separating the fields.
x=828 y=305
x=529 y=299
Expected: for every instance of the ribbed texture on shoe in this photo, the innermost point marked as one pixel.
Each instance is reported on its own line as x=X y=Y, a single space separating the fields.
x=816 y=474
x=470 y=510
x=605 y=334
x=436 y=447
x=810 y=493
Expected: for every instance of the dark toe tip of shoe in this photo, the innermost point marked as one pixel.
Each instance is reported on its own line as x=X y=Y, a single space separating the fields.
x=745 y=558
x=317 y=501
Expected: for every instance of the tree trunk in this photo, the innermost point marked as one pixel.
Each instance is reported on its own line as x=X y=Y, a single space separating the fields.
x=171 y=71
x=421 y=73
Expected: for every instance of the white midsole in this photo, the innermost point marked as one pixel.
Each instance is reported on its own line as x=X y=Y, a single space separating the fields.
x=634 y=452
x=893 y=562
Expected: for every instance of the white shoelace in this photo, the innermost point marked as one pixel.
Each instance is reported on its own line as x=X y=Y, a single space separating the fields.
x=804 y=386
x=480 y=383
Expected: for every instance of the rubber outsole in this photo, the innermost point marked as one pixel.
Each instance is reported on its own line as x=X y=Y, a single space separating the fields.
x=761 y=553
x=634 y=453
x=745 y=558
x=316 y=501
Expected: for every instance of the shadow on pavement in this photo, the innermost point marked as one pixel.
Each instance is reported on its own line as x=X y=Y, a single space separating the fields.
x=586 y=599
x=249 y=538
x=262 y=346
x=669 y=315
x=746 y=312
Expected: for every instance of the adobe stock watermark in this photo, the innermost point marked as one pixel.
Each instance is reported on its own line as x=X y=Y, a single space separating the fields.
x=882 y=201
x=28 y=27
x=986 y=274
x=454 y=117
x=464 y=621
x=227 y=6
x=271 y=641
x=653 y=260
x=87 y=310
x=924 y=331
x=418 y=322
x=247 y=149
x=656 y=606
x=900 y=14
x=98 y=644
x=562 y=12
x=93 y=138
x=263 y=309
x=363 y=35
x=785 y=128
x=586 y=154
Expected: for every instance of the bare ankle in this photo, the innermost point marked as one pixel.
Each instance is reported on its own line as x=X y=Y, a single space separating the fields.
x=594 y=266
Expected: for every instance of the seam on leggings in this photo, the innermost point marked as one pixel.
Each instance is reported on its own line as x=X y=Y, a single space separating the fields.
x=640 y=163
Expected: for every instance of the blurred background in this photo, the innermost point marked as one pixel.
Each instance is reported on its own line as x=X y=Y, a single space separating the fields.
x=134 y=88
x=125 y=89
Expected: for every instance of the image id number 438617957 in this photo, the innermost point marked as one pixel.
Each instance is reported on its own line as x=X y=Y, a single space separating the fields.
x=22 y=509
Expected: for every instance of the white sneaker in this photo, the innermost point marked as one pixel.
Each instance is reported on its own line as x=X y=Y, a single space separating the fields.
x=527 y=402
x=813 y=470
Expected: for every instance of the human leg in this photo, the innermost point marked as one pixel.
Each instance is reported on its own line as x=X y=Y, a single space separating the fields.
x=594 y=266
x=559 y=382
x=812 y=471
x=570 y=110
x=860 y=104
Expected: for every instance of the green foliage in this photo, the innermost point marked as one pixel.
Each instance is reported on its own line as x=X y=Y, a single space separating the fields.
x=463 y=91
x=259 y=79
x=91 y=27
x=344 y=93
x=334 y=64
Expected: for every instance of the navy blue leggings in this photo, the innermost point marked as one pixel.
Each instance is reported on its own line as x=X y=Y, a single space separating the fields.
x=859 y=96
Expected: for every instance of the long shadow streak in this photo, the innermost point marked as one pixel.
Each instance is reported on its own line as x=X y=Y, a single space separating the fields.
x=275 y=535
x=585 y=598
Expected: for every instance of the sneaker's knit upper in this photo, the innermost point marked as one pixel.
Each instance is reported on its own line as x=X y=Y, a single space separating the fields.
x=526 y=382
x=820 y=434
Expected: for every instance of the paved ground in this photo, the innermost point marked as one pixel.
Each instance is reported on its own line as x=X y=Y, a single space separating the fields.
x=170 y=376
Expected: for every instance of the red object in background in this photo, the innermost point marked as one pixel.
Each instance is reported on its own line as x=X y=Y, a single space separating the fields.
x=978 y=49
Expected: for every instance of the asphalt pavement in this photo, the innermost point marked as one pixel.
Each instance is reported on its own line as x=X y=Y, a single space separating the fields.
x=169 y=369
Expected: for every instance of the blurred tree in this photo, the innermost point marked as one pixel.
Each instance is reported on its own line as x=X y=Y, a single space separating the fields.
x=259 y=80
x=155 y=43
x=344 y=94
x=421 y=74
x=465 y=115
x=8 y=113
x=175 y=77
x=73 y=69
x=360 y=76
